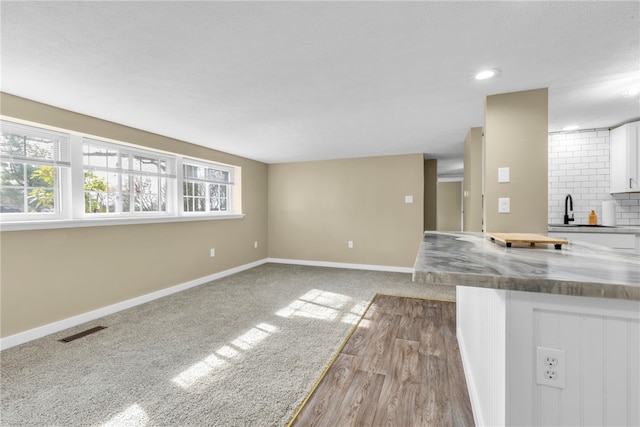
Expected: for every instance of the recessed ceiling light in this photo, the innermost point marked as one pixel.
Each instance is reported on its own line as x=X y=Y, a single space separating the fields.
x=571 y=127
x=487 y=74
x=630 y=93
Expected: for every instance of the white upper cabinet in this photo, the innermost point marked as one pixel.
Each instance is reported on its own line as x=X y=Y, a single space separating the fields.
x=625 y=158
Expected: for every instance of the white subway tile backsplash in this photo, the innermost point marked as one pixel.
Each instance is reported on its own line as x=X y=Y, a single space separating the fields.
x=579 y=165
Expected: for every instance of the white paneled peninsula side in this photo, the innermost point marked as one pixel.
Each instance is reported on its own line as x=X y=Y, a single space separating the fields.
x=514 y=304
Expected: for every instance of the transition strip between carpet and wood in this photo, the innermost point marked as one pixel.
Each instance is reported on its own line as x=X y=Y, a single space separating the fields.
x=400 y=365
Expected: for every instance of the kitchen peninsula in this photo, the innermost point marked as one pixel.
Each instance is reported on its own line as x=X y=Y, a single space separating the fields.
x=512 y=303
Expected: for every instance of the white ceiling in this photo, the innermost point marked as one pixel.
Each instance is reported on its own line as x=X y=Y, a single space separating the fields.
x=294 y=81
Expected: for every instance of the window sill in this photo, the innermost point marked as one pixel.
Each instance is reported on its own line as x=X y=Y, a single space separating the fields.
x=102 y=222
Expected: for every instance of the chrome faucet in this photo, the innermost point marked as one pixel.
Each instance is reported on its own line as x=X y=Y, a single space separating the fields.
x=566 y=211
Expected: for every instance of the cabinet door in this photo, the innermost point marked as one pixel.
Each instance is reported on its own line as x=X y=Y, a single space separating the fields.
x=618 y=162
x=625 y=158
x=633 y=150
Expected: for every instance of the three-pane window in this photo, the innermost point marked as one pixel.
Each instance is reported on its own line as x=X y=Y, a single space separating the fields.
x=38 y=180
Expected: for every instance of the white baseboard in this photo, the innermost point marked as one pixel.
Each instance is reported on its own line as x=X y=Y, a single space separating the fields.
x=41 y=331
x=341 y=265
x=471 y=387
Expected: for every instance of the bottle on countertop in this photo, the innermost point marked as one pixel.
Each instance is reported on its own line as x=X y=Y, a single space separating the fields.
x=593 y=218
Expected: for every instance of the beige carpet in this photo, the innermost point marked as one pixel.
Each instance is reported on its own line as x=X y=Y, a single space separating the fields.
x=240 y=351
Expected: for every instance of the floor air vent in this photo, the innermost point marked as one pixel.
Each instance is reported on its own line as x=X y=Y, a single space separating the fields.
x=82 y=334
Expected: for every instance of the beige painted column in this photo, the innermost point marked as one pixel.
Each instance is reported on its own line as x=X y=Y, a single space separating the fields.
x=430 y=194
x=515 y=137
x=472 y=183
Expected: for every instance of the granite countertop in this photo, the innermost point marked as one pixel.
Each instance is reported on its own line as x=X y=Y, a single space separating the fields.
x=620 y=229
x=581 y=269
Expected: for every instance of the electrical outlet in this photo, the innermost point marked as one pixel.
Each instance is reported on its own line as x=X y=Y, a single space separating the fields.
x=255 y=244
x=212 y=252
x=350 y=244
x=550 y=367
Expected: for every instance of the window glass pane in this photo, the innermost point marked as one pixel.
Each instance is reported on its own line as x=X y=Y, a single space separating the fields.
x=95 y=186
x=112 y=158
x=41 y=200
x=189 y=171
x=112 y=181
x=126 y=201
x=12 y=144
x=199 y=189
x=217 y=175
x=39 y=148
x=125 y=161
x=11 y=200
x=96 y=156
x=12 y=174
x=200 y=204
x=94 y=202
x=125 y=183
x=112 y=202
x=223 y=204
x=146 y=203
x=41 y=176
x=149 y=165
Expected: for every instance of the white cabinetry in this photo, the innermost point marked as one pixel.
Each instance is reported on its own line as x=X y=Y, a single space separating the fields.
x=499 y=332
x=612 y=240
x=625 y=158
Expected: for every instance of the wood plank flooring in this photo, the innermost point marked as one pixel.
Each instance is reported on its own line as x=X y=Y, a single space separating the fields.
x=400 y=367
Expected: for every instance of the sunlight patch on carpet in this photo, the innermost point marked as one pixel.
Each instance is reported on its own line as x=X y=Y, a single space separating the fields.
x=190 y=376
x=316 y=304
x=209 y=364
x=133 y=416
x=253 y=336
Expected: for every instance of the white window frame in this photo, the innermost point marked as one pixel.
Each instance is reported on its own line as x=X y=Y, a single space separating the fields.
x=169 y=176
x=71 y=188
x=60 y=162
x=205 y=164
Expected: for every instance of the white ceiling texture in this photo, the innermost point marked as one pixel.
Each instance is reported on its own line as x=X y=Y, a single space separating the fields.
x=295 y=81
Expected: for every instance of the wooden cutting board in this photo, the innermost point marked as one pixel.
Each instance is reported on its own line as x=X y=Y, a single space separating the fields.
x=531 y=238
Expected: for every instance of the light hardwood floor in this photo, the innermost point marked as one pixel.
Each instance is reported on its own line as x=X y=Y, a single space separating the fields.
x=400 y=367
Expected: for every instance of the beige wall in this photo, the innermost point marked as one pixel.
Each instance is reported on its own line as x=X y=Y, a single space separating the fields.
x=430 y=194
x=515 y=136
x=472 y=183
x=315 y=208
x=450 y=206
x=50 y=275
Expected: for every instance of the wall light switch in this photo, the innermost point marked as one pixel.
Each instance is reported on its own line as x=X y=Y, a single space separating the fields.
x=408 y=199
x=503 y=174
x=504 y=205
